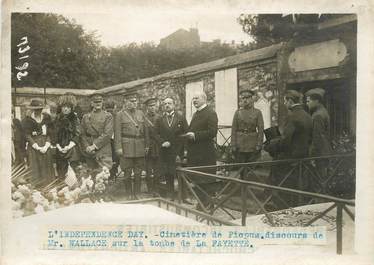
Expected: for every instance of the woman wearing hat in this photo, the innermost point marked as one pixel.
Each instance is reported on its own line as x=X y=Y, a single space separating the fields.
x=67 y=135
x=38 y=143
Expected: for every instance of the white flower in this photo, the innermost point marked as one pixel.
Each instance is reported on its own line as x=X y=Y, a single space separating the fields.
x=18 y=196
x=16 y=205
x=17 y=213
x=39 y=209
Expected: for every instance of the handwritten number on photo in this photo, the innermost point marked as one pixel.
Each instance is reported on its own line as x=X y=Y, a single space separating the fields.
x=23 y=48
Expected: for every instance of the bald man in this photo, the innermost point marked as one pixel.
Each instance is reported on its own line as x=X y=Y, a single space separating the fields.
x=200 y=143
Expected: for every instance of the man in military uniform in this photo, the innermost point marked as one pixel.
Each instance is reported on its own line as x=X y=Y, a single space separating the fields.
x=247 y=130
x=111 y=107
x=97 y=130
x=152 y=156
x=130 y=135
x=321 y=143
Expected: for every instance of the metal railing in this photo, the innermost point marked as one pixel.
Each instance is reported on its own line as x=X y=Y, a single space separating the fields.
x=295 y=169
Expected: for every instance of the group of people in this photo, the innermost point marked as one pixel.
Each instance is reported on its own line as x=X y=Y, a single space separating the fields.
x=306 y=131
x=125 y=137
x=114 y=136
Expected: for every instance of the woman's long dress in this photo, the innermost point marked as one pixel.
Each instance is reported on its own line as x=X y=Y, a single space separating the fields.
x=41 y=165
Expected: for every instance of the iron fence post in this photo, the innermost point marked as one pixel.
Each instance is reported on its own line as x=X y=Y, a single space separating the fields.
x=244 y=198
x=300 y=183
x=180 y=180
x=339 y=228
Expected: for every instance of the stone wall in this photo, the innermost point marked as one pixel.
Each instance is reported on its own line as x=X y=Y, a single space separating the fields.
x=24 y=100
x=263 y=80
x=174 y=88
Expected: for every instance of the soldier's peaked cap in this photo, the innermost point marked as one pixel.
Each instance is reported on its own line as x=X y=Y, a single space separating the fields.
x=97 y=97
x=315 y=91
x=150 y=101
x=130 y=95
x=294 y=95
x=246 y=91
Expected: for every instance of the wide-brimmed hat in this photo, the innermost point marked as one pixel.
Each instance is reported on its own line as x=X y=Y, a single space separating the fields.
x=36 y=104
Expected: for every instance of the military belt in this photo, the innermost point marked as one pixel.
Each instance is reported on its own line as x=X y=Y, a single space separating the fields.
x=246 y=131
x=131 y=136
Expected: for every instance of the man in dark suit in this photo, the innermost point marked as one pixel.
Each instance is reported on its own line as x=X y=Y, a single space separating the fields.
x=170 y=127
x=297 y=132
x=200 y=146
x=19 y=141
x=293 y=143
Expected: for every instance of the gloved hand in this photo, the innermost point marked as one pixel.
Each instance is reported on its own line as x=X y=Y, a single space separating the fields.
x=166 y=144
x=45 y=148
x=68 y=147
x=36 y=146
x=119 y=152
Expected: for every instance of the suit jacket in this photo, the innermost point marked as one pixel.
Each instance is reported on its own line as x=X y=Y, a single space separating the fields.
x=97 y=128
x=321 y=144
x=201 y=151
x=296 y=137
x=130 y=134
x=171 y=134
x=18 y=135
x=19 y=140
x=153 y=139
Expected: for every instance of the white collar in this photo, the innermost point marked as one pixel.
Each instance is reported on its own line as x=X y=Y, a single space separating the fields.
x=169 y=114
x=201 y=107
x=38 y=120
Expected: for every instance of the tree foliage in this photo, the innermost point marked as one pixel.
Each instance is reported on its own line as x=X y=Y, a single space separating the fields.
x=63 y=55
x=267 y=29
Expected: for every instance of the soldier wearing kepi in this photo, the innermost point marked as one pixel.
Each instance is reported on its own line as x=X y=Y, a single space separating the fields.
x=152 y=156
x=111 y=107
x=321 y=145
x=96 y=132
x=247 y=130
x=130 y=135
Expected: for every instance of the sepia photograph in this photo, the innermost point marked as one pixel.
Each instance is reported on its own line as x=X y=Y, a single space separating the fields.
x=184 y=116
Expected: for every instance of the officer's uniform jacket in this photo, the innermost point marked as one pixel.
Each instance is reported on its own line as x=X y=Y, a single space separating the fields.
x=321 y=144
x=130 y=134
x=97 y=128
x=247 y=130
